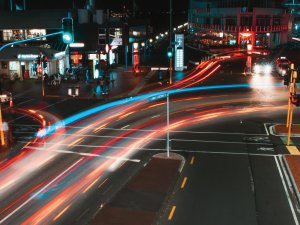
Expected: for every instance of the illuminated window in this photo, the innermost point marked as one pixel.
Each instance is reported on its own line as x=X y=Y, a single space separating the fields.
x=16 y=35
x=32 y=33
x=13 y=35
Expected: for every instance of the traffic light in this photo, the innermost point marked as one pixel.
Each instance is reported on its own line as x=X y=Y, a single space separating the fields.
x=170 y=52
x=45 y=62
x=67 y=29
x=295 y=99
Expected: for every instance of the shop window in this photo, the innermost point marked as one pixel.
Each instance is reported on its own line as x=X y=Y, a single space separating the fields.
x=263 y=21
x=12 y=65
x=276 y=21
x=4 y=65
x=217 y=21
x=32 y=33
x=231 y=21
x=246 y=20
x=13 y=35
x=16 y=35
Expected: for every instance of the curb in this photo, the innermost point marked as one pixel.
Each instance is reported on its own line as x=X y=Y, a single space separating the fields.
x=129 y=213
x=166 y=201
x=291 y=177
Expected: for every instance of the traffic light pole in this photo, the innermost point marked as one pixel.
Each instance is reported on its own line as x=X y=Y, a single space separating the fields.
x=43 y=86
x=290 y=105
x=168 y=127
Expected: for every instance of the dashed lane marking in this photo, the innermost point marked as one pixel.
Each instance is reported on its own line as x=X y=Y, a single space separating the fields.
x=172 y=213
x=192 y=160
x=183 y=182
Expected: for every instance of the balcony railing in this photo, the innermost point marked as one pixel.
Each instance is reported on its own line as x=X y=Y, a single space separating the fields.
x=262 y=29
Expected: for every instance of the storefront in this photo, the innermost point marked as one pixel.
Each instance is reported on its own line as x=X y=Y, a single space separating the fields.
x=21 y=62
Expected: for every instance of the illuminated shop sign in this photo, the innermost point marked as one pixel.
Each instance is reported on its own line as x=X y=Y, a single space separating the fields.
x=27 y=56
x=77 y=45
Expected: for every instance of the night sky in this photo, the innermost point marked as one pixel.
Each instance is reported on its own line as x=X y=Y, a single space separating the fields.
x=143 y=5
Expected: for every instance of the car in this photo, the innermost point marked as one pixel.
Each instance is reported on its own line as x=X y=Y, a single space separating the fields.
x=5 y=96
x=282 y=65
x=262 y=66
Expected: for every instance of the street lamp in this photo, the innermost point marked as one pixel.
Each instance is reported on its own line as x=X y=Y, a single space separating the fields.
x=168 y=126
x=170 y=36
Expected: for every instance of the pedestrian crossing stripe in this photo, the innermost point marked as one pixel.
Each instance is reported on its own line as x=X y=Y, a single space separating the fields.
x=293 y=150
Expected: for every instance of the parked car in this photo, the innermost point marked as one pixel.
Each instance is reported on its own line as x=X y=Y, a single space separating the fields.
x=282 y=65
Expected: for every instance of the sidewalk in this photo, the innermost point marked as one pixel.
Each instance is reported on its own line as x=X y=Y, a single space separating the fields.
x=121 y=83
x=141 y=200
x=292 y=161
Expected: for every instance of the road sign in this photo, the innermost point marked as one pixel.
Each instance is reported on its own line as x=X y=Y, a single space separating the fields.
x=157 y=97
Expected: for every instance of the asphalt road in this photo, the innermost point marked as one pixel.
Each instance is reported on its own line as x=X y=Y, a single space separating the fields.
x=92 y=155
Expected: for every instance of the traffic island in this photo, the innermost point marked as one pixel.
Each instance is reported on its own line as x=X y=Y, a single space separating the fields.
x=281 y=129
x=292 y=163
x=141 y=200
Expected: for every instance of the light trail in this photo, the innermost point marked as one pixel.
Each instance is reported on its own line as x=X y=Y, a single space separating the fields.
x=90 y=168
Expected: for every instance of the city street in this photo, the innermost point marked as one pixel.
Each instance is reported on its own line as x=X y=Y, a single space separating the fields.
x=226 y=135
x=149 y=112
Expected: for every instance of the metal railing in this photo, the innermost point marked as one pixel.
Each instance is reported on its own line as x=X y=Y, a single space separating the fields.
x=262 y=29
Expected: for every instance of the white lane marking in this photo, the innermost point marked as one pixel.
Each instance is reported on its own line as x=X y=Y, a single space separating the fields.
x=155 y=116
x=125 y=127
x=21 y=103
x=266 y=128
x=173 y=150
x=82 y=153
x=222 y=142
x=177 y=131
x=286 y=191
x=38 y=110
x=40 y=191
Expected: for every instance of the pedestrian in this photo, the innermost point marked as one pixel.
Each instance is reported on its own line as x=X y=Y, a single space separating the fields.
x=102 y=85
x=160 y=77
x=107 y=82
x=112 y=80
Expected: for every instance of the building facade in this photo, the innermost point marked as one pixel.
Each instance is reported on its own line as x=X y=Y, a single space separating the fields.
x=263 y=24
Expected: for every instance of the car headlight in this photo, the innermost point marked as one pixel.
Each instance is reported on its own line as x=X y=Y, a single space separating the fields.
x=257 y=69
x=267 y=68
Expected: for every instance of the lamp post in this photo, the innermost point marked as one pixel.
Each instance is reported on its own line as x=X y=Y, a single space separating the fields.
x=170 y=36
x=168 y=126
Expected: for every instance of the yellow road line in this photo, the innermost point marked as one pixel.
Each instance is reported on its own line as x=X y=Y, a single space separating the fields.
x=62 y=212
x=183 y=182
x=192 y=160
x=172 y=212
x=293 y=150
